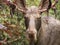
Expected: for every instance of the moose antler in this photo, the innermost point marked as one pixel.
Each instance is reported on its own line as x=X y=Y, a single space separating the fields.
x=20 y=5
x=44 y=5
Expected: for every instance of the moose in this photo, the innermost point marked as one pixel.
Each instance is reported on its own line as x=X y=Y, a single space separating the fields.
x=38 y=31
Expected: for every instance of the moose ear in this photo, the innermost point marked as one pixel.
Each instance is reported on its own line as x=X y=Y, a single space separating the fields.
x=21 y=5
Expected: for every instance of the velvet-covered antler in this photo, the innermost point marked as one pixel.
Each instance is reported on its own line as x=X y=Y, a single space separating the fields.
x=21 y=5
x=44 y=5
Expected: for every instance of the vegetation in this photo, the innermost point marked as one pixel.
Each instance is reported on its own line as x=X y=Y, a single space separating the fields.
x=15 y=25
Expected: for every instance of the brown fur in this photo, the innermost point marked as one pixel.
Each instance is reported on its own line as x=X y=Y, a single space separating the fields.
x=49 y=33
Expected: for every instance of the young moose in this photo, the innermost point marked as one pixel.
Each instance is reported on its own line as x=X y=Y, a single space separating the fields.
x=37 y=29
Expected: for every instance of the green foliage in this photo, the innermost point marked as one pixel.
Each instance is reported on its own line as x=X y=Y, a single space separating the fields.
x=32 y=2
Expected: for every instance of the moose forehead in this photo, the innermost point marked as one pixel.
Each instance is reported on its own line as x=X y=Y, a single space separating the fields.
x=32 y=11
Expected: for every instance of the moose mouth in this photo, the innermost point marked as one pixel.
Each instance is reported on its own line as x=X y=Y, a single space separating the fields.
x=32 y=34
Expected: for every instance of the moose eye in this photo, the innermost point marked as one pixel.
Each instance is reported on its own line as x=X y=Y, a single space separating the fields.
x=26 y=22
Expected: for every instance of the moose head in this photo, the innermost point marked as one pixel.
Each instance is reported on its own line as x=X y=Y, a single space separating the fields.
x=32 y=18
x=31 y=15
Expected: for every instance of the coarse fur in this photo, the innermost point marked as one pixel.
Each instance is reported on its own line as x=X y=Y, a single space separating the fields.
x=49 y=34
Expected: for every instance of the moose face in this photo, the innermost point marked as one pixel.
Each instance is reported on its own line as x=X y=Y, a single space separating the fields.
x=32 y=21
x=32 y=17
